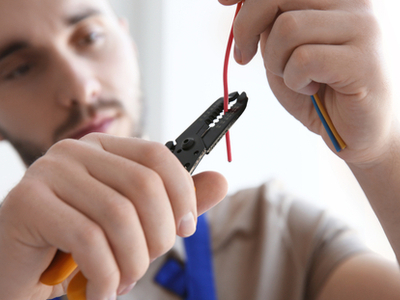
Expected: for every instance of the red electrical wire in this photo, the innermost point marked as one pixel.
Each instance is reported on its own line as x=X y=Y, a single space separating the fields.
x=225 y=79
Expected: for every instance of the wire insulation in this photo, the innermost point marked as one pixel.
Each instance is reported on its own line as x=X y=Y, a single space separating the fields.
x=337 y=141
x=225 y=80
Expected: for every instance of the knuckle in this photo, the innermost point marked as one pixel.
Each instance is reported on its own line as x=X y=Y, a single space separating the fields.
x=287 y=24
x=51 y=162
x=54 y=165
x=45 y=166
x=90 y=236
x=162 y=244
x=147 y=179
x=301 y=64
x=63 y=151
x=301 y=58
x=285 y=30
x=110 y=278
x=123 y=211
x=157 y=153
x=63 y=146
x=21 y=196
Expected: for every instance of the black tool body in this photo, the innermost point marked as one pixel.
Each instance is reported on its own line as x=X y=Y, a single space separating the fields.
x=202 y=136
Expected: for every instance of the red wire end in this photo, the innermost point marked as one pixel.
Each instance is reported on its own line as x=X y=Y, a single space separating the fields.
x=228 y=146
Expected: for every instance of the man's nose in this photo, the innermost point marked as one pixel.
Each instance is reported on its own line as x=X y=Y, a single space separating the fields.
x=78 y=83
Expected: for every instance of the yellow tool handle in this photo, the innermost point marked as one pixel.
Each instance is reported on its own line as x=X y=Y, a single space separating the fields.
x=77 y=287
x=59 y=269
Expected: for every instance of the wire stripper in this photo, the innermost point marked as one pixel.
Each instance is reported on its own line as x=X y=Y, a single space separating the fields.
x=190 y=147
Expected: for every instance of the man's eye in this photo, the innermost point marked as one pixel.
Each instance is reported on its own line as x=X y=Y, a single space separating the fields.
x=90 y=38
x=18 y=72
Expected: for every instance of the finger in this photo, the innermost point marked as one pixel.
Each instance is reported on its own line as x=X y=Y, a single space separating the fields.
x=310 y=65
x=296 y=28
x=211 y=188
x=176 y=180
x=336 y=66
x=72 y=232
x=247 y=30
x=256 y=16
x=118 y=217
x=126 y=199
x=296 y=104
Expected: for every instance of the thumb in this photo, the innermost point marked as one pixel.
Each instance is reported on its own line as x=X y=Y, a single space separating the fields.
x=211 y=188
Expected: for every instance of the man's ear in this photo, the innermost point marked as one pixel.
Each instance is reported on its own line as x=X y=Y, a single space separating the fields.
x=123 y=22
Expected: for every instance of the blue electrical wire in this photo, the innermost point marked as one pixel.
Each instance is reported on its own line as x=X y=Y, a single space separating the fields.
x=327 y=128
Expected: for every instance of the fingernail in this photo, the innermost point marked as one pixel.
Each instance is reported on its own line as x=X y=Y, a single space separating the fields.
x=238 y=54
x=187 y=225
x=127 y=289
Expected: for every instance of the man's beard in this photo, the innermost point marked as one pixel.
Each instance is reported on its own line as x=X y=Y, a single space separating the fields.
x=30 y=151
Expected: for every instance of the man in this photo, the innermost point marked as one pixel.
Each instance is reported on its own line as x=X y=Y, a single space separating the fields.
x=68 y=69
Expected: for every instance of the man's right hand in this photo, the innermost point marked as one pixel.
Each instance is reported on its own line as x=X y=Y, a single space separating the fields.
x=114 y=203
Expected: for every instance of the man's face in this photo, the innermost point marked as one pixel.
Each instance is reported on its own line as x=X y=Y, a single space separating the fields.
x=67 y=68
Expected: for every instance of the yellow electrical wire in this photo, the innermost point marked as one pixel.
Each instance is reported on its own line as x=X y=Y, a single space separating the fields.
x=329 y=123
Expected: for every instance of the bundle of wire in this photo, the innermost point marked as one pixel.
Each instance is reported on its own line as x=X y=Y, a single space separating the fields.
x=337 y=141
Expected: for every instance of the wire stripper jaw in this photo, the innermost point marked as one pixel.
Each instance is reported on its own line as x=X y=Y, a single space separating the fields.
x=202 y=136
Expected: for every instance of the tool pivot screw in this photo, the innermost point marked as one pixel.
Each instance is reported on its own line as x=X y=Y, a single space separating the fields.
x=188 y=144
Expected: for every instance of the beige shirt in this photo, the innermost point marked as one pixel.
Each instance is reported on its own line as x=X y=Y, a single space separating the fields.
x=266 y=245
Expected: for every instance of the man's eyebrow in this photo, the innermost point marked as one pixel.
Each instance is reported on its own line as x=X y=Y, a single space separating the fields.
x=12 y=48
x=76 y=18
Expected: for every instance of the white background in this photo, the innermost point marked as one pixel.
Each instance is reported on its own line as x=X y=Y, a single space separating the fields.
x=182 y=45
